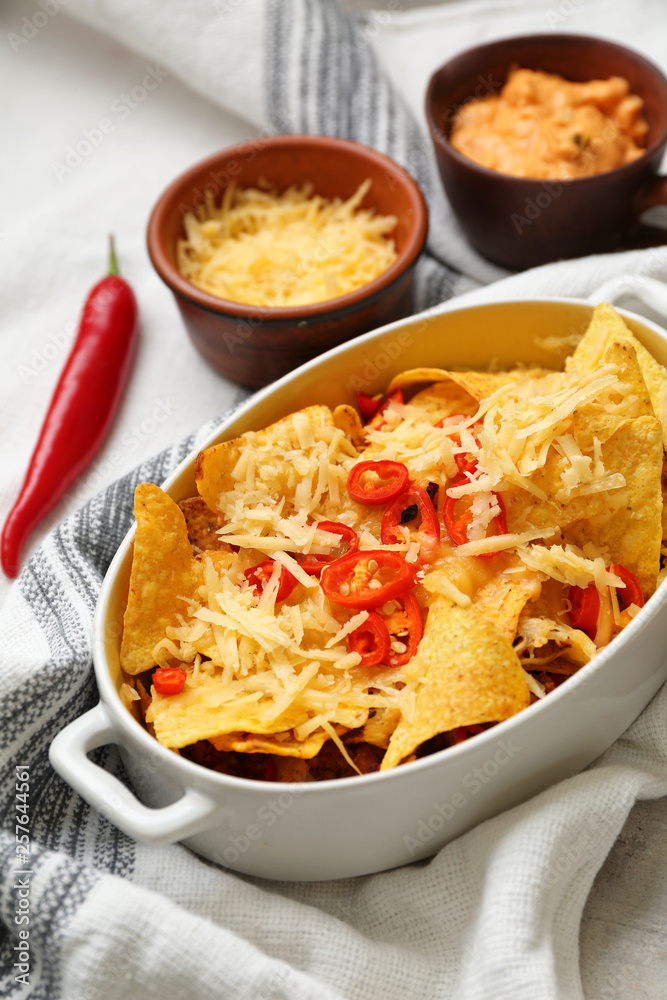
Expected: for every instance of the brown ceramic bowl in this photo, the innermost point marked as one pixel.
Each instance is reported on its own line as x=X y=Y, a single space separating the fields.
x=519 y=222
x=255 y=345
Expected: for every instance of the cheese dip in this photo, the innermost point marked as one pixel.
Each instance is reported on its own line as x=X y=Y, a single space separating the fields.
x=545 y=127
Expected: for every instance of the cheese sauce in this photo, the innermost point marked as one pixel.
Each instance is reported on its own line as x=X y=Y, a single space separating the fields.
x=543 y=126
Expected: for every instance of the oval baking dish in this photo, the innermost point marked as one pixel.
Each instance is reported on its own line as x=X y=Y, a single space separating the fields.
x=355 y=826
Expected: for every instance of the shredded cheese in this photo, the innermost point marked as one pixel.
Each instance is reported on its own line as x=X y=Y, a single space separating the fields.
x=263 y=666
x=568 y=565
x=534 y=685
x=500 y=543
x=289 y=249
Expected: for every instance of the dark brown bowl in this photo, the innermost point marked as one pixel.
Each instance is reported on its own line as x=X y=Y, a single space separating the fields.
x=256 y=345
x=519 y=222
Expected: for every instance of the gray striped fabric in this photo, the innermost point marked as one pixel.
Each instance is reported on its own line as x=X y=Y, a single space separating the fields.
x=70 y=843
x=321 y=76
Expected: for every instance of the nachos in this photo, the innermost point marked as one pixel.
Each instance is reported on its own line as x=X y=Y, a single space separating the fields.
x=352 y=589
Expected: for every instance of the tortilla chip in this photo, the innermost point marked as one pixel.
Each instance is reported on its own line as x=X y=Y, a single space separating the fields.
x=416 y=376
x=464 y=673
x=589 y=423
x=346 y=418
x=635 y=400
x=630 y=525
x=481 y=385
x=503 y=599
x=213 y=470
x=478 y=385
x=524 y=510
x=202 y=524
x=206 y=711
x=162 y=571
x=282 y=747
x=214 y=466
x=607 y=326
x=442 y=399
x=628 y=521
x=379 y=727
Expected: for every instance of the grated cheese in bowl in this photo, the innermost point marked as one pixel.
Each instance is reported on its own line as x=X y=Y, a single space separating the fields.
x=295 y=248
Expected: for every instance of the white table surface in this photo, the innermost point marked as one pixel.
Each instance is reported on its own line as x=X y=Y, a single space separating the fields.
x=61 y=82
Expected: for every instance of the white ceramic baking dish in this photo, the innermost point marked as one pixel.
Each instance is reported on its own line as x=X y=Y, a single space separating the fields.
x=359 y=825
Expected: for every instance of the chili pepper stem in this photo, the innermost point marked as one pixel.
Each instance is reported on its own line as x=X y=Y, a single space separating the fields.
x=113 y=260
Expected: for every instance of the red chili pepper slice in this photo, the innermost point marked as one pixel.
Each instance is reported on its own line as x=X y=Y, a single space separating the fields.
x=363 y=485
x=464 y=462
x=378 y=421
x=81 y=408
x=450 y=416
x=367 y=579
x=261 y=574
x=169 y=680
x=585 y=608
x=313 y=563
x=428 y=532
x=371 y=640
x=500 y=521
x=457 y=528
x=367 y=405
x=632 y=593
x=405 y=624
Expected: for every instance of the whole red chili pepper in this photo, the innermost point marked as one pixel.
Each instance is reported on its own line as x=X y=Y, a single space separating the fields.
x=81 y=409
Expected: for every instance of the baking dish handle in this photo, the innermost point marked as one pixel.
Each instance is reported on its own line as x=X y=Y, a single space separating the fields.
x=651 y=292
x=68 y=754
